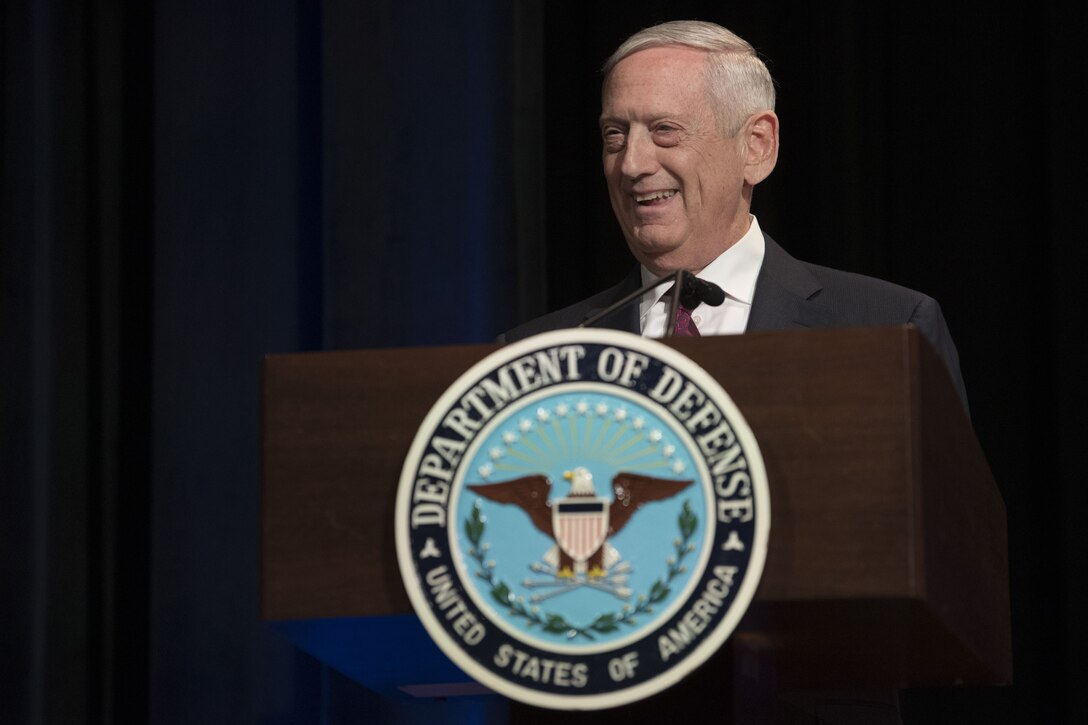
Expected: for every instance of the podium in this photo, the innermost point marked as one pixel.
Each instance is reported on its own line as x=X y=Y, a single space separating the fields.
x=887 y=561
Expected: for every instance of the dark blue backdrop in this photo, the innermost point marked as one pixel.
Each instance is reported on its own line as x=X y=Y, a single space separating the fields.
x=328 y=176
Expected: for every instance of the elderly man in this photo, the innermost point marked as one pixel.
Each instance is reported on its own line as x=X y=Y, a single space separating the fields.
x=688 y=130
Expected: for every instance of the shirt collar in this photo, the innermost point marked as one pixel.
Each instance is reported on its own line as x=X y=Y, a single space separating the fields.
x=735 y=270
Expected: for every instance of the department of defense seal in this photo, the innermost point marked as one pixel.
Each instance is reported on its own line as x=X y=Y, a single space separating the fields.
x=582 y=519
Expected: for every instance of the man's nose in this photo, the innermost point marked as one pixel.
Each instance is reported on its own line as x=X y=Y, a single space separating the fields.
x=639 y=155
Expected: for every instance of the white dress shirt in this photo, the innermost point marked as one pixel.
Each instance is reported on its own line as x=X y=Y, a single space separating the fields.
x=735 y=270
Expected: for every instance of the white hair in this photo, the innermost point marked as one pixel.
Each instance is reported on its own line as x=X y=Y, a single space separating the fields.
x=739 y=82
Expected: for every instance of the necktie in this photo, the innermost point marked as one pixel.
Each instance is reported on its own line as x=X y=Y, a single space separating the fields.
x=685 y=326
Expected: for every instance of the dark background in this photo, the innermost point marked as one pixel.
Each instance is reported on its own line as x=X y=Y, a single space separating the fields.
x=190 y=185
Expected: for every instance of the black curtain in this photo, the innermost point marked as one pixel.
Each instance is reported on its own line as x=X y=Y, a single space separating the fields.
x=187 y=187
x=75 y=355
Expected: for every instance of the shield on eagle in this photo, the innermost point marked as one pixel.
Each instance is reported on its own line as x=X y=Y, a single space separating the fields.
x=581 y=525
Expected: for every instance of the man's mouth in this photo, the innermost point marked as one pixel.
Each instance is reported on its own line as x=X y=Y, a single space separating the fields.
x=655 y=197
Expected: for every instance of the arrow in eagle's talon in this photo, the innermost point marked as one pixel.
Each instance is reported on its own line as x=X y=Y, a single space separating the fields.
x=548 y=595
x=534 y=583
x=619 y=592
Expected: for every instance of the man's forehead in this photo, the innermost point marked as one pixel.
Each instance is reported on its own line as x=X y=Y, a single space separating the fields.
x=655 y=83
x=672 y=60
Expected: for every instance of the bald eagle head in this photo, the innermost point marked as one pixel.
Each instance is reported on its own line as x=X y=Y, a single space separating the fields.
x=581 y=482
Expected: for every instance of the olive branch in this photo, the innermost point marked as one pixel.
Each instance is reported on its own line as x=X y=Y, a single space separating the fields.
x=556 y=623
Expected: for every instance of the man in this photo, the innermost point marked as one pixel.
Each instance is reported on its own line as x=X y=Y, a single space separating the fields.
x=688 y=130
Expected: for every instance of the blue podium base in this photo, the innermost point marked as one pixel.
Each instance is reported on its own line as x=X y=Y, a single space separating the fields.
x=393 y=655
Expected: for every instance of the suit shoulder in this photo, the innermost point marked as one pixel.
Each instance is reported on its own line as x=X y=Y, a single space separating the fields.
x=869 y=297
x=567 y=317
x=571 y=315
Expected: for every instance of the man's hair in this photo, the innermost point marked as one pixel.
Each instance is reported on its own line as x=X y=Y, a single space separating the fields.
x=739 y=82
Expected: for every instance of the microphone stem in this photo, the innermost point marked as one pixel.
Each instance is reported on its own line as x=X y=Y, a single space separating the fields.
x=676 y=277
x=674 y=303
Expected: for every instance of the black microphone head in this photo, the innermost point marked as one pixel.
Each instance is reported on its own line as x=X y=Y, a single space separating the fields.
x=710 y=293
x=697 y=290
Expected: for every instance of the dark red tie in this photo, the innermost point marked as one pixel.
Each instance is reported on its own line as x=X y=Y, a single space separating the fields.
x=685 y=326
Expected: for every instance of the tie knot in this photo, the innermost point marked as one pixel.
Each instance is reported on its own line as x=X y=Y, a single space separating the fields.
x=684 y=326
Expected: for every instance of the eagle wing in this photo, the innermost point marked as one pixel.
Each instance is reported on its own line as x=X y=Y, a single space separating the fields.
x=631 y=490
x=530 y=493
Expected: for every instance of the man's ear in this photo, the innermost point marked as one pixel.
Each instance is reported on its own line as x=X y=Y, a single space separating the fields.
x=761 y=135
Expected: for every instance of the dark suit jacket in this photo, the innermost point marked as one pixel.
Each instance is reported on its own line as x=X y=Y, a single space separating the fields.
x=790 y=294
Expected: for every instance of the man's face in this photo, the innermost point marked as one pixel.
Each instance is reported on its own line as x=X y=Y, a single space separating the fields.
x=676 y=183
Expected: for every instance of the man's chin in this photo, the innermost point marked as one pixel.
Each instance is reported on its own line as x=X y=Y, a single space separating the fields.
x=661 y=265
x=657 y=254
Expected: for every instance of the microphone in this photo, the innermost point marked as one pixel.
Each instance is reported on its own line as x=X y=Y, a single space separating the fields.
x=697 y=290
x=692 y=291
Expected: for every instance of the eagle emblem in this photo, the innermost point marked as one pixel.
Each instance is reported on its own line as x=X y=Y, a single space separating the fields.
x=581 y=523
x=541 y=588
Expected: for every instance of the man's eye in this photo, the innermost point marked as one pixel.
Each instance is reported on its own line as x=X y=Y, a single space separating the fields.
x=666 y=135
x=613 y=138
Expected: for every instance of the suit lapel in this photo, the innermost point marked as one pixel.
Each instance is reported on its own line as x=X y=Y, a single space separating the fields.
x=627 y=317
x=785 y=296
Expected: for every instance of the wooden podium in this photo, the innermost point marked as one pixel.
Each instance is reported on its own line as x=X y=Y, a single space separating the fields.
x=887 y=562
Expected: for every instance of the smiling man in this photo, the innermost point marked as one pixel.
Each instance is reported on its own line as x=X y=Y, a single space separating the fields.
x=680 y=176
x=688 y=130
